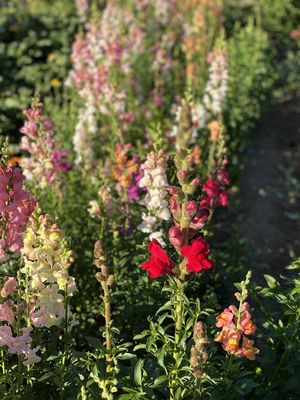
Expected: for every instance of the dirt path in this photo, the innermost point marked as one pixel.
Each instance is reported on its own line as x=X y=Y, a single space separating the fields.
x=269 y=211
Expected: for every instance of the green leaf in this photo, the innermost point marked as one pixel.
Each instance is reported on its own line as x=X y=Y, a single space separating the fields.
x=271 y=281
x=158 y=381
x=138 y=372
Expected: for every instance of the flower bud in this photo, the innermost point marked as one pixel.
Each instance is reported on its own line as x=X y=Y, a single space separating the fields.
x=187 y=162
x=200 y=218
x=193 y=185
x=100 y=277
x=110 y=280
x=205 y=202
x=182 y=176
x=191 y=208
x=173 y=190
x=196 y=181
x=176 y=237
x=223 y=177
x=175 y=208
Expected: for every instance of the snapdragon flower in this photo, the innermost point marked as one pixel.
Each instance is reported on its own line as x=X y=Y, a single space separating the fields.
x=217 y=85
x=46 y=262
x=156 y=184
x=16 y=205
x=47 y=162
x=126 y=171
x=104 y=52
x=19 y=345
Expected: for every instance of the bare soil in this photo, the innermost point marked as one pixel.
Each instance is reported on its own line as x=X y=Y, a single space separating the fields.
x=269 y=210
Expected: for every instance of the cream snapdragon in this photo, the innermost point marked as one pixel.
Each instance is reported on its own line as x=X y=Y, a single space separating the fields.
x=46 y=262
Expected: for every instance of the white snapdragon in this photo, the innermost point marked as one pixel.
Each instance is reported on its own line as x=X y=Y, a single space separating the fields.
x=156 y=184
x=217 y=85
x=85 y=131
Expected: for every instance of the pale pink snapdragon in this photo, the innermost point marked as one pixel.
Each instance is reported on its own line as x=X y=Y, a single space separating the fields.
x=10 y=285
x=6 y=312
x=19 y=345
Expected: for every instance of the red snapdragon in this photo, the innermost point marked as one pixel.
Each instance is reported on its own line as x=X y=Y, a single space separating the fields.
x=159 y=262
x=197 y=255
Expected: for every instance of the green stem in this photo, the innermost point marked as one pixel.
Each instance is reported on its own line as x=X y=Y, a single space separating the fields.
x=66 y=345
x=3 y=362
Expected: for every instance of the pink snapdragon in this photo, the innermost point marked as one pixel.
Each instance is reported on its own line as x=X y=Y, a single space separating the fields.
x=19 y=345
x=47 y=163
x=10 y=286
x=97 y=57
x=16 y=205
x=6 y=312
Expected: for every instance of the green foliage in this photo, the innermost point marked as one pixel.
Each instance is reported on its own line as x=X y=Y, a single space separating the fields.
x=251 y=78
x=34 y=51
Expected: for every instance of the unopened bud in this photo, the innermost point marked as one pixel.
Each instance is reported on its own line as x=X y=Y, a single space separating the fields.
x=200 y=218
x=173 y=190
x=193 y=185
x=205 y=202
x=176 y=237
x=174 y=206
x=191 y=208
x=100 y=277
x=187 y=162
x=182 y=176
x=110 y=280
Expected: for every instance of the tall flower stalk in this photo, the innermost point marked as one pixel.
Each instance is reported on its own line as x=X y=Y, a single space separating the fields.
x=108 y=385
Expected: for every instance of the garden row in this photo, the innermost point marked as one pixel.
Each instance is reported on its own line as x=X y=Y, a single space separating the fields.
x=113 y=275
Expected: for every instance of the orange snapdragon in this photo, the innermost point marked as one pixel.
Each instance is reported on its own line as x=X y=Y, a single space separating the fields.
x=236 y=324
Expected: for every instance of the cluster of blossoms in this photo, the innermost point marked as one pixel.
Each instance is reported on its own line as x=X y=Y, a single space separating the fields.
x=16 y=205
x=10 y=314
x=215 y=189
x=46 y=262
x=19 y=345
x=47 y=163
x=127 y=172
x=217 y=85
x=156 y=184
x=203 y=23
x=235 y=324
x=102 y=60
x=189 y=217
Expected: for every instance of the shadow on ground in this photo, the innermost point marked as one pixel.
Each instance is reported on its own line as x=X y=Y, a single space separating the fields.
x=269 y=197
